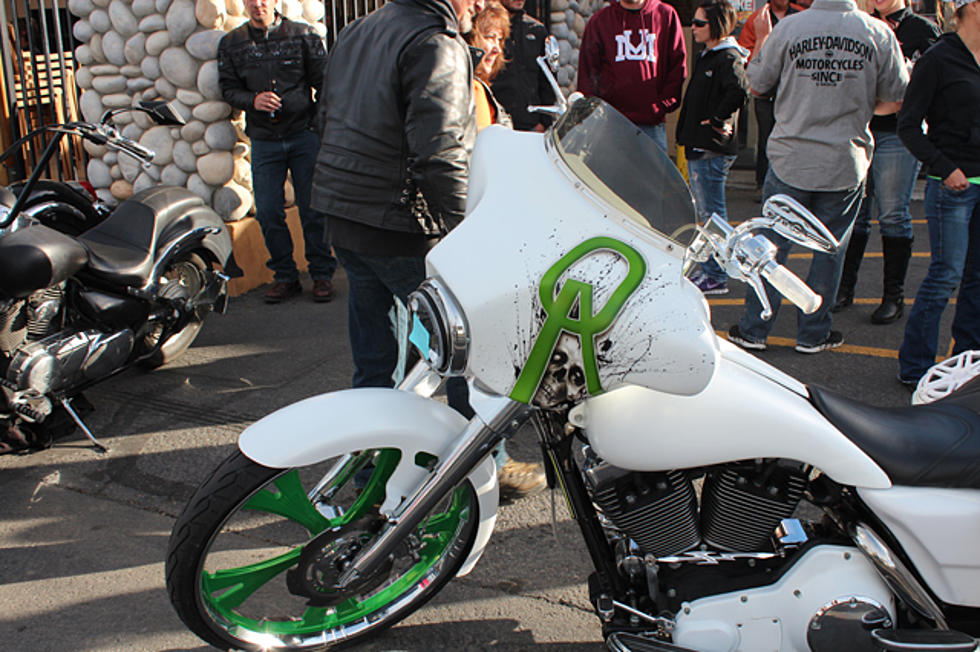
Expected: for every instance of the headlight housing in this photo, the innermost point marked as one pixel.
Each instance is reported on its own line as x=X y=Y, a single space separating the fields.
x=438 y=328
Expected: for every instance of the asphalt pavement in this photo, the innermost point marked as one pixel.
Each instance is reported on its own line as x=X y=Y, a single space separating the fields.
x=83 y=535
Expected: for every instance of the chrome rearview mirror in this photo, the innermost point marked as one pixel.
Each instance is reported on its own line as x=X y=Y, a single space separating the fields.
x=551 y=53
x=548 y=62
x=792 y=220
x=163 y=113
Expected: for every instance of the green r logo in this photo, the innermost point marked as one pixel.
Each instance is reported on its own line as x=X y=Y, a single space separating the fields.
x=586 y=325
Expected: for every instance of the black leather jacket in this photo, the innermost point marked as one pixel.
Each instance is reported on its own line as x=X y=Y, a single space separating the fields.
x=398 y=121
x=250 y=58
x=521 y=82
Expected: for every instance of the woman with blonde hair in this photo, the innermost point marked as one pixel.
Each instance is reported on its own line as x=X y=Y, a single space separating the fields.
x=491 y=27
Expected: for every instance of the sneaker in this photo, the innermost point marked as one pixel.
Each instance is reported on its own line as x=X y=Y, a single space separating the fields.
x=910 y=385
x=708 y=285
x=735 y=336
x=834 y=339
x=280 y=291
x=520 y=479
x=322 y=290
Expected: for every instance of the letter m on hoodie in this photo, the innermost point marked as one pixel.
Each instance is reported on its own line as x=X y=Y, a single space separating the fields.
x=645 y=49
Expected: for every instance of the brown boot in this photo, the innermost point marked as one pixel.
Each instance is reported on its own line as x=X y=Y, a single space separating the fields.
x=280 y=291
x=322 y=290
x=520 y=479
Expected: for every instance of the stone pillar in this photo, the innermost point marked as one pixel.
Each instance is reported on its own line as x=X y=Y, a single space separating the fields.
x=134 y=50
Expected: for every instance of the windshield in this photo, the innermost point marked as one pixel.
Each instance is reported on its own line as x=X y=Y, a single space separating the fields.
x=624 y=167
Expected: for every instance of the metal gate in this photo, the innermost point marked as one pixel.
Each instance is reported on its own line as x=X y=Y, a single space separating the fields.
x=38 y=84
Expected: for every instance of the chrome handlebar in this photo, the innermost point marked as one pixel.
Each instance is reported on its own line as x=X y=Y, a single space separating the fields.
x=750 y=257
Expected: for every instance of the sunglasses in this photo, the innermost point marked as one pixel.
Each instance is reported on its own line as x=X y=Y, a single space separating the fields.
x=698 y=22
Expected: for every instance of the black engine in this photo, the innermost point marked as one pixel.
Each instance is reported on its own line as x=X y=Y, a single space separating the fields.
x=741 y=505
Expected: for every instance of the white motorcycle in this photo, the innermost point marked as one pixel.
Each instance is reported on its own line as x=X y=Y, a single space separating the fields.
x=693 y=469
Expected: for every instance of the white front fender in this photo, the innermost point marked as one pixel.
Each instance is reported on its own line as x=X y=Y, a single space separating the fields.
x=333 y=424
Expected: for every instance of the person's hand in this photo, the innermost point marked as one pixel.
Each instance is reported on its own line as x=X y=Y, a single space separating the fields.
x=763 y=23
x=957 y=181
x=724 y=130
x=267 y=101
x=540 y=128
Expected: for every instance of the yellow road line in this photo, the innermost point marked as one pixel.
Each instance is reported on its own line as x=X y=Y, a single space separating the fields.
x=737 y=222
x=789 y=343
x=868 y=254
x=717 y=301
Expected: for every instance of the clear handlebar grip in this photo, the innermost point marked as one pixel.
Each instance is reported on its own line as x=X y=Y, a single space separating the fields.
x=792 y=287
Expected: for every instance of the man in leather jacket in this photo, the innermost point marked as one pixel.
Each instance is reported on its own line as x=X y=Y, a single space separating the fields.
x=398 y=129
x=269 y=67
x=521 y=82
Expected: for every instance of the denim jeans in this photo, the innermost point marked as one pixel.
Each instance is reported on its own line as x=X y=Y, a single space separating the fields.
x=836 y=209
x=954 y=242
x=890 y=183
x=378 y=329
x=707 y=178
x=271 y=159
x=765 y=120
x=657 y=132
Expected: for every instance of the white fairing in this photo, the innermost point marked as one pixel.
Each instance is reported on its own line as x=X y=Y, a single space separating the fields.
x=776 y=617
x=740 y=415
x=332 y=424
x=523 y=215
x=939 y=530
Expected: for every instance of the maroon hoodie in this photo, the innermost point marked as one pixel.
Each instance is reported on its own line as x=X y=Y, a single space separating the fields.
x=635 y=60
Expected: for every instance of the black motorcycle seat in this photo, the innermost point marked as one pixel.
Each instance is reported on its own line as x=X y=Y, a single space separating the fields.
x=932 y=445
x=123 y=248
x=37 y=257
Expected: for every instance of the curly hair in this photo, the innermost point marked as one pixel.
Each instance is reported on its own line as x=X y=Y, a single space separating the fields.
x=493 y=16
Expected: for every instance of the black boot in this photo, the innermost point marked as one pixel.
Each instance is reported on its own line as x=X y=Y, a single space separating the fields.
x=849 y=275
x=897 y=252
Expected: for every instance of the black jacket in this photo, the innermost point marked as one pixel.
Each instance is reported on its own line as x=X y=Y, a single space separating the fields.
x=249 y=59
x=717 y=91
x=398 y=121
x=945 y=91
x=521 y=82
x=916 y=35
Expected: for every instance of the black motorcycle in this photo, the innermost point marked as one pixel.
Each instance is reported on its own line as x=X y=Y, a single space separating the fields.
x=76 y=309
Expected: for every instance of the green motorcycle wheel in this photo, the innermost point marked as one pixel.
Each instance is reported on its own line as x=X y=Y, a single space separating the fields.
x=254 y=554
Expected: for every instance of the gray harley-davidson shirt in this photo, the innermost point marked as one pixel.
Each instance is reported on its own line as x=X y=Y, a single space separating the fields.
x=829 y=64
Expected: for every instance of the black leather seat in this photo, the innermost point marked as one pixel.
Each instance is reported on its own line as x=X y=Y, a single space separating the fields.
x=933 y=445
x=37 y=257
x=123 y=248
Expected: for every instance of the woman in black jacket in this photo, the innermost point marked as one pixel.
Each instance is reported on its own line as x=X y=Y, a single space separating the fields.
x=706 y=126
x=945 y=92
x=890 y=181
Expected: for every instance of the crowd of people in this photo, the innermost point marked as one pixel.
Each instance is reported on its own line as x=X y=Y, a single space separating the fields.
x=378 y=141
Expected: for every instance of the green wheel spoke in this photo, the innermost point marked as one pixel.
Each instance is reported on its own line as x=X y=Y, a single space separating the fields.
x=241 y=582
x=374 y=492
x=289 y=501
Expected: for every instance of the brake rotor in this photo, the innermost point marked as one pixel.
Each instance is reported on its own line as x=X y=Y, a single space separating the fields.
x=328 y=555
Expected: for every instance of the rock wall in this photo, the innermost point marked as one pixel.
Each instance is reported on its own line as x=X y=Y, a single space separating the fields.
x=568 y=19
x=135 y=50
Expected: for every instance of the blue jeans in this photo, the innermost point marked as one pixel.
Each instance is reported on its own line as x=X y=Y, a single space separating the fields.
x=271 y=159
x=707 y=178
x=954 y=242
x=657 y=132
x=890 y=183
x=836 y=209
x=378 y=330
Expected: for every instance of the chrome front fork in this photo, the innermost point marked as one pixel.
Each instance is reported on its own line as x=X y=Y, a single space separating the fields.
x=497 y=418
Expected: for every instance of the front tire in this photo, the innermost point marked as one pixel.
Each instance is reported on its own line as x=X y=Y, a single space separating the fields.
x=242 y=536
